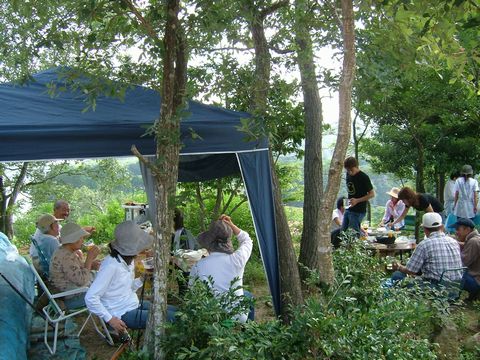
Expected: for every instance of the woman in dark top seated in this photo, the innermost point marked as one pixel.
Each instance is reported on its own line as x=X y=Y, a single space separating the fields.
x=419 y=201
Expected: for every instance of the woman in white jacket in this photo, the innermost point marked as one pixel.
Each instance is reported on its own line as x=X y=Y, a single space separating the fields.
x=112 y=294
x=466 y=189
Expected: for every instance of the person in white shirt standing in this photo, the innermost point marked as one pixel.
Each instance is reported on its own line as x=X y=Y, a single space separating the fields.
x=466 y=189
x=449 y=193
x=224 y=264
x=112 y=294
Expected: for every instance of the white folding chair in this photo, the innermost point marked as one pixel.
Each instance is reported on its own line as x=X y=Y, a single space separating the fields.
x=55 y=315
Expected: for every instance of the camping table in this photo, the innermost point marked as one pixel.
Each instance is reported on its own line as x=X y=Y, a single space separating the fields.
x=384 y=250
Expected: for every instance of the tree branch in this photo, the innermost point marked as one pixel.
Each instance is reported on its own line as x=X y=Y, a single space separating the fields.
x=331 y=4
x=145 y=161
x=237 y=206
x=148 y=27
x=281 y=51
x=230 y=48
x=45 y=179
x=272 y=8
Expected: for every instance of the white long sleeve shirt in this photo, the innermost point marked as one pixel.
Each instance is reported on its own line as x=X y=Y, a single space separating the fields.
x=112 y=293
x=223 y=268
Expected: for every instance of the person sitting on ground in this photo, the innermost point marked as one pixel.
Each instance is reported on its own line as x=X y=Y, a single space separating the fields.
x=360 y=190
x=469 y=240
x=449 y=193
x=466 y=189
x=67 y=269
x=112 y=295
x=47 y=242
x=337 y=219
x=224 y=264
x=393 y=209
x=419 y=201
x=432 y=256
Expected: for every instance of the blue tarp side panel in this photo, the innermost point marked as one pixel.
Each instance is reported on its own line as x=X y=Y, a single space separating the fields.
x=257 y=178
x=149 y=184
x=15 y=313
x=36 y=126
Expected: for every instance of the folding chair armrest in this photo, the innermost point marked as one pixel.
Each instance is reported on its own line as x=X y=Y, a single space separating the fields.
x=70 y=292
x=463 y=268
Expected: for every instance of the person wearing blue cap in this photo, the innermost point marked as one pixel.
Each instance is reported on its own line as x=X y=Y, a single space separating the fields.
x=469 y=240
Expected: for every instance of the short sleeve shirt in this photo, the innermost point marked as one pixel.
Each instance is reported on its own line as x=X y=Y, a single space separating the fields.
x=358 y=185
x=426 y=199
x=434 y=255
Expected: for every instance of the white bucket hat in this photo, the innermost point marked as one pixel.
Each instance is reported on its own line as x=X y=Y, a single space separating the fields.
x=431 y=220
x=130 y=239
x=71 y=233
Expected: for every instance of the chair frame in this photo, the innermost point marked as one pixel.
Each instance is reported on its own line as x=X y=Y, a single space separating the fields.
x=55 y=315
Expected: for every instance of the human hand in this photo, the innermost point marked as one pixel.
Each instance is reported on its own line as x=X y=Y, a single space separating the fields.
x=395 y=266
x=117 y=324
x=89 y=229
x=93 y=252
x=353 y=201
x=96 y=264
x=230 y=223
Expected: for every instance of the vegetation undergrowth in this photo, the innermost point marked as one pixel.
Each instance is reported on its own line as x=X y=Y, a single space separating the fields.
x=356 y=318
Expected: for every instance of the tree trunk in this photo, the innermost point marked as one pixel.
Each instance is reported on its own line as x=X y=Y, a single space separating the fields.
x=441 y=186
x=343 y=135
x=290 y=288
x=165 y=170
x=3 y=203
x=313 y=166
x=12 y=200
x=419 y=182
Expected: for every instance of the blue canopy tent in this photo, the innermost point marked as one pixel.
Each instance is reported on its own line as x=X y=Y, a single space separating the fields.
x=37 y=126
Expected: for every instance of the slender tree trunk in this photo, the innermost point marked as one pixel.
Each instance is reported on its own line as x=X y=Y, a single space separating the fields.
x=441 y=185
x=312 y=239
x=290 y=288
x=420 y=182
x=3 y=203
x=12 y=200
x=166 y=169
x=344 y=126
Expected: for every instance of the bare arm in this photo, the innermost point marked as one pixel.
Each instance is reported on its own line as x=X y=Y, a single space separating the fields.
x=368 y=196
x=402 y=216
x=401 y=268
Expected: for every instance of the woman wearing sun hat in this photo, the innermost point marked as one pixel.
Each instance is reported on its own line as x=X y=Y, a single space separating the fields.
x=67 y=269
x=224 y=264
x=393 y=209
x=112 y=294
x=466 y=189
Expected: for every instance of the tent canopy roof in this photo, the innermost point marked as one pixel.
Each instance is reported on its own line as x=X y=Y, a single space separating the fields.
x=34 y=125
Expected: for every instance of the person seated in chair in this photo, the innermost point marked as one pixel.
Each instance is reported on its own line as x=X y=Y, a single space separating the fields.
x=432 y=256
x=224 y=264
x=67 y=269
x=112 y=295
x=469 y=240
x=47 y=242
x=337 y=219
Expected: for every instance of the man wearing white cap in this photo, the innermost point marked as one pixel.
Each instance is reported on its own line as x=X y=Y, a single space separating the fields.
x=67 y=269
x=436 y=253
